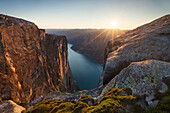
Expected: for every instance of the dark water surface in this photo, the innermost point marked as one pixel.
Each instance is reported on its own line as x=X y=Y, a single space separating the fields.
x=85 y=69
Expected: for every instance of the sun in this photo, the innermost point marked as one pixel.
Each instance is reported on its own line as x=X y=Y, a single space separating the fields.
x=113 y=25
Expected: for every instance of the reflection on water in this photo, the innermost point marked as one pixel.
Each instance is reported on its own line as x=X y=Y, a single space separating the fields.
x=85 y=69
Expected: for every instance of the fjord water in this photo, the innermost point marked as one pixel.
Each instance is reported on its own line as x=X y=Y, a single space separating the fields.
x=86 y=71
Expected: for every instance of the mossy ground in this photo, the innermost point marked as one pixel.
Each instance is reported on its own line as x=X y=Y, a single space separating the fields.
x=115 y=101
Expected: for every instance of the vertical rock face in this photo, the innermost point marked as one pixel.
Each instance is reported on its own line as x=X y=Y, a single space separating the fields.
x=31 y=63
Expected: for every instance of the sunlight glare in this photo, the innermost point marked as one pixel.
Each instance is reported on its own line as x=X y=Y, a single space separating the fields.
x=113 y=25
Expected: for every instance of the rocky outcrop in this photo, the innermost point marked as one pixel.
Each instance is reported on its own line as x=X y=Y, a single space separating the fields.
x=150 y=41
x=31 y=63
x=144 y=83
x=10 y=107
x=150 y=79
x=89 y=41
x=67 y=97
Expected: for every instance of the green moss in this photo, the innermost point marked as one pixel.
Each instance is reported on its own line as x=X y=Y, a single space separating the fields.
x=45 y=106
x=85 y=97
x=80 y=106
x=105 y=106
x=64 y=107
x=115 y=100
x=51 y=102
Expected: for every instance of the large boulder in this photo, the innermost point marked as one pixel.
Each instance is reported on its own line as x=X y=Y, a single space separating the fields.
x=149 y=79
x=150 y=41
x=10 y=107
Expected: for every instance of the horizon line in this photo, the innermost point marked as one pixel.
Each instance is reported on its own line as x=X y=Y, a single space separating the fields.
x=88 y=28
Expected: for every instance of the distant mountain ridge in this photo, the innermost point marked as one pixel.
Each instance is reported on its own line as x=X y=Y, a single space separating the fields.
x=89 y=41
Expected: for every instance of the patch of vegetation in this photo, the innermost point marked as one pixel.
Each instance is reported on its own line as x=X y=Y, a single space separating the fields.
x=63 y=108
x=44 y=107
x=23 y=104
x=87 y=99
x=116 y=100
x=105 y=106
x=80 y=106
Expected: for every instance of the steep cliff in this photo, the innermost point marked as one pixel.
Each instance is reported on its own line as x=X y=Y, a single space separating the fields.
x=31 y=63
x=147 y=42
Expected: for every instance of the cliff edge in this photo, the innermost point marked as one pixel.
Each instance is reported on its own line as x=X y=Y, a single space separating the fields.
x=32 y=63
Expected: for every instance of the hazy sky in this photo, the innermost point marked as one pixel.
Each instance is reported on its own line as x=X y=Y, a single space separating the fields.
x=127 y=14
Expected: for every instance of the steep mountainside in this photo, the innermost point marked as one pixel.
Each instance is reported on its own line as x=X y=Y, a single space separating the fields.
x=89 y=41
x=150 y=41
x=31 y=63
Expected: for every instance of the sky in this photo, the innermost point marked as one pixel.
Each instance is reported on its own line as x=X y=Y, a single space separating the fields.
x=67 y=14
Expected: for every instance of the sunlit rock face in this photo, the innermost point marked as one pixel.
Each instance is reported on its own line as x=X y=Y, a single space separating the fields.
x=31 y=63
x=150 y=41
x=10 y=107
